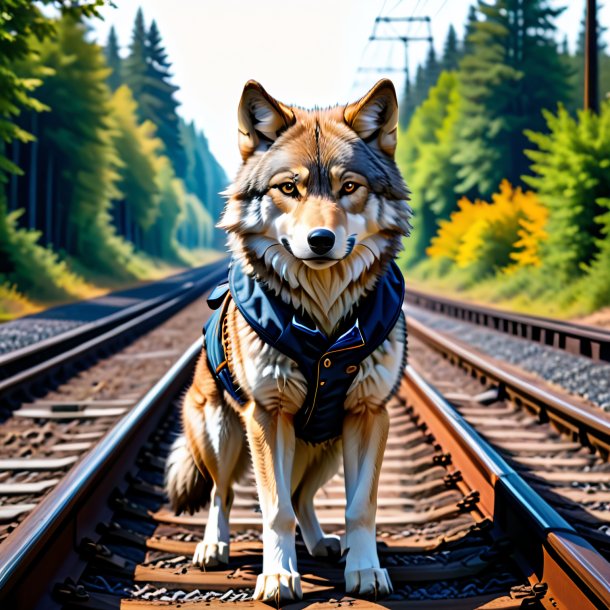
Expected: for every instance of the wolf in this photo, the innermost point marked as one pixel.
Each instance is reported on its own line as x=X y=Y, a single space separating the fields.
x=308 y=339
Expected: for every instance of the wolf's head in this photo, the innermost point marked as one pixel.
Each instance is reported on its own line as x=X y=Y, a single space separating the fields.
x=318 y=208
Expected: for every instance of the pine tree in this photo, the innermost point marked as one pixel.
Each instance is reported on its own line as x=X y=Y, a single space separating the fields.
x=425 y=78
x=162 y=237
x=510 y=73
x=78 y=152
x=424 y=155
x=451 y=51
x=135 y=68
x=164 y=114
x=113 y=59
x=204 y=175
x=469 y=28
x=147 y=72
x=138 y=149
x=571 y=176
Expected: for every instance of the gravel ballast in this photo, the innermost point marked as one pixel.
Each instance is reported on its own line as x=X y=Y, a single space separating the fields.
x=576 y=374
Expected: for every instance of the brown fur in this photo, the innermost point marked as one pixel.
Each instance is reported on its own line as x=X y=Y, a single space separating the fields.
x=318 y=152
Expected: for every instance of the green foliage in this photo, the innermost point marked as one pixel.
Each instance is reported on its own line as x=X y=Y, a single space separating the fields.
x=161 y=238
x=164 y=112
x=31 y=268
x=572 y=177
x=78 y=133
x=197 y=228
x=426 y=77
x=204 y=175
x=451 y=51
x=138 y=149
x=424 y=155
x=511 y=71
x=147 y=72
x=21 y=22
x=113 y=59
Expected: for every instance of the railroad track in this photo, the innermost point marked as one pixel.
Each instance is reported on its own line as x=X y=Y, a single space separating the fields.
x=459 y=525
x=578 y=339
x=87 y=389
x=27 y=371
x=558 y=443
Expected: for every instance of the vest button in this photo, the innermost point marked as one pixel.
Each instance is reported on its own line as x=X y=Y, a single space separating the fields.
x=327 y=363
x=322 y=382
x=352 y=368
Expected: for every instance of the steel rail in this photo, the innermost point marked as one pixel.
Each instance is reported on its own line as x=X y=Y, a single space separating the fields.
x=578 y=339
x=39 y=351
x=77 y=346
x=588 y=425
x=59 y=519
x=556 y=559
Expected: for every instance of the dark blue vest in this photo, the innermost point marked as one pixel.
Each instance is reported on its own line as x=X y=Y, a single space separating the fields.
x=329 y=364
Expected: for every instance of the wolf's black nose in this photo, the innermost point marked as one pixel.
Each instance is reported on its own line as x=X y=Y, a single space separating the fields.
x=321 y=241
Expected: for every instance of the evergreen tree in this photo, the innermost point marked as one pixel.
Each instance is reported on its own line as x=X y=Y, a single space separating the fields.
x=162 y=237
x=113 y=60
x=138 y=149
x=147 y=72
x=512 y=71
x=77 y=151
x=451 y=51
x=164 y=113
x=469 y=28
x=134 y=73
x=204 y=175
x=425 y=78
x=425 y=155
x=571 y=177
x=22 y=25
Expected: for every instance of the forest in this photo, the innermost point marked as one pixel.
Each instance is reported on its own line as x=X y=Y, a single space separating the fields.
x=510 y=178
x=101 y=181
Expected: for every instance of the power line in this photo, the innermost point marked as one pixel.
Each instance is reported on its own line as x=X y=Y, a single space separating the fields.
x=442 y=6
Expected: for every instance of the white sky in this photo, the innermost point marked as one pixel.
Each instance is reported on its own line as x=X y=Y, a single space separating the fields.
x=304 y=53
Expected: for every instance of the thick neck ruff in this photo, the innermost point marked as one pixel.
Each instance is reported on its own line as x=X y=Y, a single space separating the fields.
x=328 y=363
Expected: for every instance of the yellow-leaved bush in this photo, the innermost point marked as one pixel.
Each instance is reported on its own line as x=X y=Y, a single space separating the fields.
x=503 y=235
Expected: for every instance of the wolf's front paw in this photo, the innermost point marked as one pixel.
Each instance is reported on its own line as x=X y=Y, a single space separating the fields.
x=329 y=546
x=284 y=587
x=210 y=554
x=370 y=582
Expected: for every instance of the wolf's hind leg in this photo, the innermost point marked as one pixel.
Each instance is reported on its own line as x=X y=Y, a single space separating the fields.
x=309 y=475
x=217 y=441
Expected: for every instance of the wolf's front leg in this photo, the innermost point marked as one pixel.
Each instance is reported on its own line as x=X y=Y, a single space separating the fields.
x=272 y=442
x=364 y=439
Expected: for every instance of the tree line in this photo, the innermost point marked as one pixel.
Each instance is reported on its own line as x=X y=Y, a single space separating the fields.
x=496 y=115
x=99 y=175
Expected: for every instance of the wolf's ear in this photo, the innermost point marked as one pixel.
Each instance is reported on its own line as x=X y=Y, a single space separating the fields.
x=375 y=117
x=261 y=119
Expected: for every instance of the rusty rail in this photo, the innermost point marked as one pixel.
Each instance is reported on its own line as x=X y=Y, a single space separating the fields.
x=548 y=548
x=578 y=339
x=32 y=365
x=588 y=425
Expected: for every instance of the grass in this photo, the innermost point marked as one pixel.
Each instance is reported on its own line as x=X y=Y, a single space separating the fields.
x=531 y=291
x=78 y=282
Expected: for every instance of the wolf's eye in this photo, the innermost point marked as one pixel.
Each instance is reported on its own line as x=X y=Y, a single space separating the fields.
x=288 y=188
x=348 y=188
